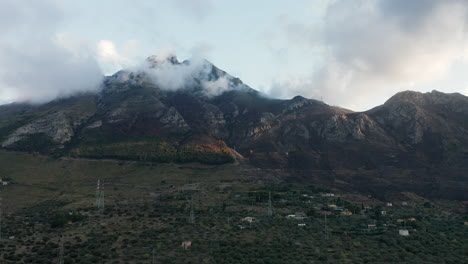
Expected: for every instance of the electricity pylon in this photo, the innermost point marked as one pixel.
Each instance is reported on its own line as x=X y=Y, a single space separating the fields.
x=192 y=214
x=0 y=218
x=60 y=254
x=99 y=195
x=270 y=207
x=326 y=228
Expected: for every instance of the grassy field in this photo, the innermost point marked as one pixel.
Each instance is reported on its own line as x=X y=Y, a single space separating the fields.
x=151 y=208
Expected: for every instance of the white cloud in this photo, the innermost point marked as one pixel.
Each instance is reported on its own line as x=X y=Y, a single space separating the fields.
x=170 y=75
x=36 y=63
x=199 y=9
x=109 y=57
x=375 y=48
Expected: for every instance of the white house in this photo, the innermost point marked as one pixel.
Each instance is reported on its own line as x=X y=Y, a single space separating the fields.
x=249 y=219
x=403 y=232
x=389 y=204
x=301 y=224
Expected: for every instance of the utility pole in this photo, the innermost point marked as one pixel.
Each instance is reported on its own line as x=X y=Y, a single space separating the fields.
x=270 y=209
x=154 y=262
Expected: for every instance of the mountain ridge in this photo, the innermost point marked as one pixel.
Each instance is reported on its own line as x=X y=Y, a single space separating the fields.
x=208 y=114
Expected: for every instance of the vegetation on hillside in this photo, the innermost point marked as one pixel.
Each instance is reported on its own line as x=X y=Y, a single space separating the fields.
x=157 y=151
x=149 y=208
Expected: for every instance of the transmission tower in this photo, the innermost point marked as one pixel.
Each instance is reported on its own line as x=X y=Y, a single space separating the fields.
x=192 y=214
x=270 y=207
x=102 y=197
x=60 y=254
x=326 y=228
x=0 y=218
x=99 y=195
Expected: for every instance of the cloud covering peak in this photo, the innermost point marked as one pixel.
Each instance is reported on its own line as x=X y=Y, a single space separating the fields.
x=197 y=74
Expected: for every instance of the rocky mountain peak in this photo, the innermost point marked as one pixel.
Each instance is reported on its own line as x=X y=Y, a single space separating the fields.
x=154 y=60
x=423 y=99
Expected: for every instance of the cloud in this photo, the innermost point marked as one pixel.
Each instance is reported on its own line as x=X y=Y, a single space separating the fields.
x=171 y=75
x=199 y=9
x=36 y=63
x=110 y=59
x=377 y=47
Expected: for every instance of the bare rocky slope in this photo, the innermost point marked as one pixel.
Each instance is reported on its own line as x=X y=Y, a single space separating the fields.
x=420 y=137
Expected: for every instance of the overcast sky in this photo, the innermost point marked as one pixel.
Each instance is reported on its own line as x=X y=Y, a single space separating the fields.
x=351 y=53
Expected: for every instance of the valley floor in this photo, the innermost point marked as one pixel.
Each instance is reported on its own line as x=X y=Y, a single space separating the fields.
x=49 y=211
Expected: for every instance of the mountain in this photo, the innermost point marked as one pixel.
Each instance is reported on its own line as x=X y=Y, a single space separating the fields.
x=191 y=111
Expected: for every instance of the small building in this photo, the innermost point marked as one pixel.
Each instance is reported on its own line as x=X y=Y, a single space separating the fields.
x=300 y=215
x=383 y=212
x=328 y=195
x=400 y=220
x=297 y=215
x=403 y=232
x=389 y=204
x=186 y=244
x=332 y=205
x=301 y=224
x=466 y=223
x=346 y=213
x=404 y=203
x=4 y=183
x=412 y=219
x=371 y=226
x=249 y=219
